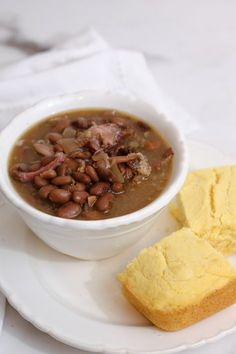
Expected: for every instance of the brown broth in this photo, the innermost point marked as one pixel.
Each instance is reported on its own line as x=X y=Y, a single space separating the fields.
x=135 y=196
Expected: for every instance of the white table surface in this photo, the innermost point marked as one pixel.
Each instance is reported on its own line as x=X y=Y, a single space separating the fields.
x=191 y=49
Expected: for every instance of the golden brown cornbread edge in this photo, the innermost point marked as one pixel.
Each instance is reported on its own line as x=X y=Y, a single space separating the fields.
x=179 y=319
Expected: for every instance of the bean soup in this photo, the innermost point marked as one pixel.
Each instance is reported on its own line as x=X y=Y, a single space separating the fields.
x=90 y=164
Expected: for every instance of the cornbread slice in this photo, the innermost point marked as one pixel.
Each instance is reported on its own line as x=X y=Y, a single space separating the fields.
x=207 y=204
x=179 y=281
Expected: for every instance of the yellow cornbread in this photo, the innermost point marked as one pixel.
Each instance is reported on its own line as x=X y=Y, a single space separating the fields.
x=179 y=281
x=207 y=204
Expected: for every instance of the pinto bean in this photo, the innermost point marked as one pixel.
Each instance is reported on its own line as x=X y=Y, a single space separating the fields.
x=105 y=173
x=35 y=166
x=90 y=170
x=82 y=177
x=122 y=122
x=81 y=165
x=45 y=190
x=53 y=137
x=59 y=195
x=117 y=187
x=58 y=148
x=68 y=144
x=46 y=160
x=61 y=180
x=43 y=149
x=72 y=164
x=69 y=210
x=84 y=155
x=80 y=197
x=62 y=169
x=49 y=174
x=101 y=163
x=99 y=188
x=75 y=187
x=104 y=202
x=82 y=123
x=92 y=214
x=142 y=126
x=40 y=182
x=61 y=125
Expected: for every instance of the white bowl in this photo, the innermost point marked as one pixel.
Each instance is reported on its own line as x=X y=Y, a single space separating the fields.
x=100 y=238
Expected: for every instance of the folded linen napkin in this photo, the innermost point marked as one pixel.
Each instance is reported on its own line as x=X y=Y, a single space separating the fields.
x=84 y=62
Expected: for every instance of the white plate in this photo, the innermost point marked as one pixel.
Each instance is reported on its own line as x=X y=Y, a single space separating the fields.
x=80 y=302
x=2 y=297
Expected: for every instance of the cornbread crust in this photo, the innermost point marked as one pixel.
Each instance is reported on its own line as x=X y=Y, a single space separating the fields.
x=179 y=319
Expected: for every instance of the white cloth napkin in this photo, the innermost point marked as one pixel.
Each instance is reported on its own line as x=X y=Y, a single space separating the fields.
x=84 y=62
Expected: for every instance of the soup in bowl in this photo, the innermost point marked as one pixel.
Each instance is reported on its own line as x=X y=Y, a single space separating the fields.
x=89 y=172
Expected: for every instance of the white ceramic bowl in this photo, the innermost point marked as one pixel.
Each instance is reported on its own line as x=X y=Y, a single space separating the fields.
x=92 y=239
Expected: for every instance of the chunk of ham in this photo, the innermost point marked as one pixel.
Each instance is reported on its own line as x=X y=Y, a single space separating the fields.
x=140 y=165
x=98 y=136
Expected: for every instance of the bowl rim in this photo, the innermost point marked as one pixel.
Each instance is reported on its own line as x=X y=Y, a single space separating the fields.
x=148 y=211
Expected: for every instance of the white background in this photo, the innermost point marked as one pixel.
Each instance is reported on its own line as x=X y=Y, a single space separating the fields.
x=190 y=47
